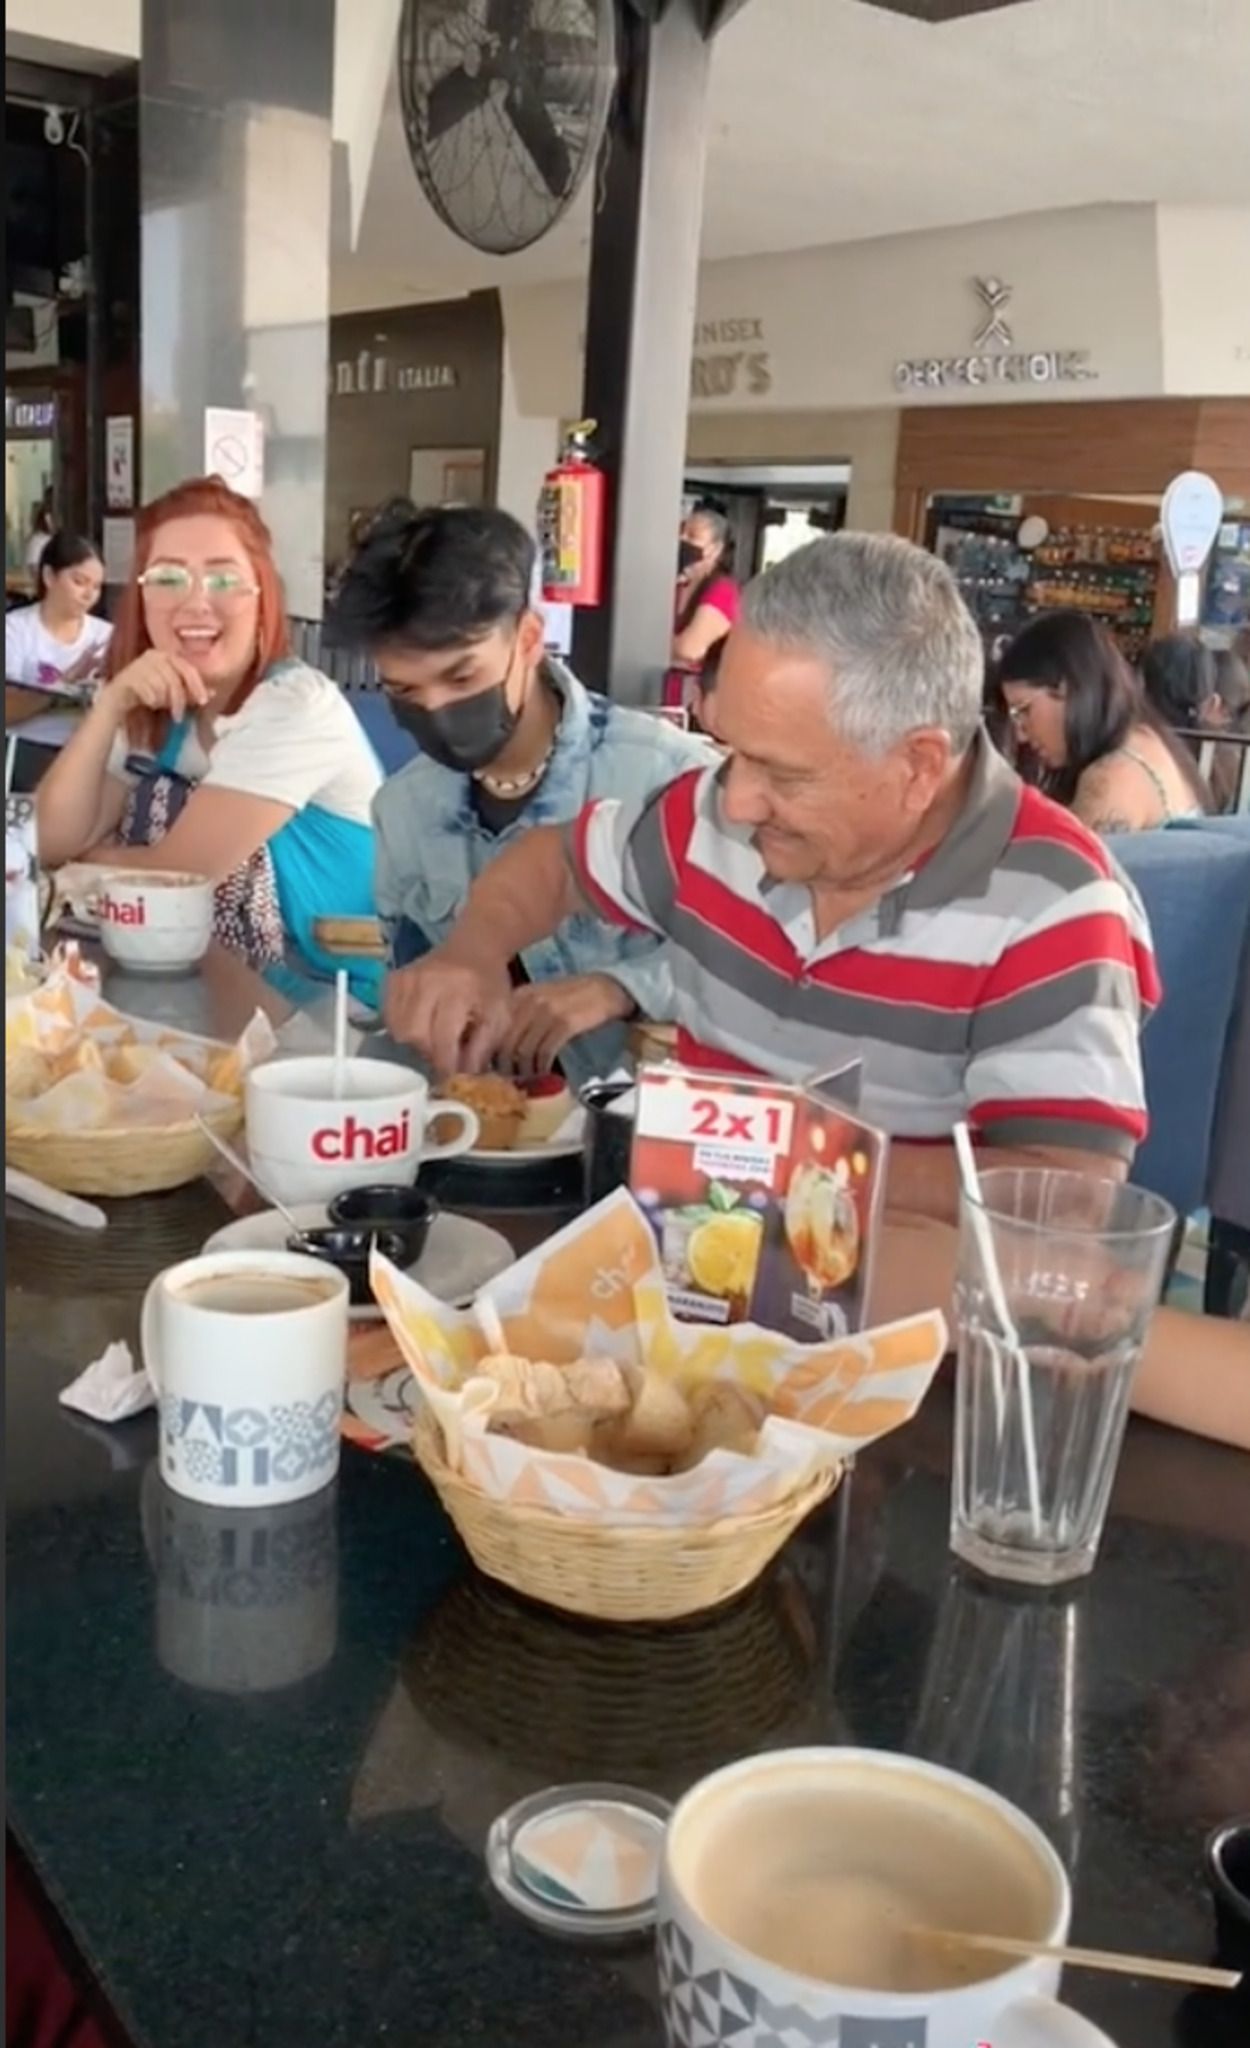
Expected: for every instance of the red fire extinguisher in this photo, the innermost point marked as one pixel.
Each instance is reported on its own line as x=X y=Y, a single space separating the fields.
x=571 y=523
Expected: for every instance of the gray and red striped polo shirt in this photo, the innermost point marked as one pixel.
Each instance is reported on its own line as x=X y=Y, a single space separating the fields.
x=1005 y=980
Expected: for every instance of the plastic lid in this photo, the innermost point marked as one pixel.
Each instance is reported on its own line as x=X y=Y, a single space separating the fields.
x=581 y=1860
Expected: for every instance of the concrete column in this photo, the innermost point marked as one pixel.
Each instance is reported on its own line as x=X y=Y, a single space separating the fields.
x=235 y=180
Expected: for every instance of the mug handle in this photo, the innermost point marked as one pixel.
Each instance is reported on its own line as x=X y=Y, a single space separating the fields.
x=149 y=1327
x=1044 y=2023
x=465 y=1139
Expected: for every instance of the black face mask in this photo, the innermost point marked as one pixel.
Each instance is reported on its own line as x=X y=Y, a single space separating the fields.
x=465 y=734
x=688 y=556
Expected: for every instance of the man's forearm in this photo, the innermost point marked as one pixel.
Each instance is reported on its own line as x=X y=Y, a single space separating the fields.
x=523 y=897
x=923 y=1180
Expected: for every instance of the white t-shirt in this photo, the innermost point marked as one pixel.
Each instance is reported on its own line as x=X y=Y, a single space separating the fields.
x=296 y=740
x=33 y=656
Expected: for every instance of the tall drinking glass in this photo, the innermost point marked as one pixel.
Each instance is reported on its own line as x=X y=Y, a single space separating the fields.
x=1080 y=1264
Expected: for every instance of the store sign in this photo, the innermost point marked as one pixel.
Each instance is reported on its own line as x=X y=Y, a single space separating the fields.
x=367 y=375
x=723 y=365
x=993 y=357
x=29 y=415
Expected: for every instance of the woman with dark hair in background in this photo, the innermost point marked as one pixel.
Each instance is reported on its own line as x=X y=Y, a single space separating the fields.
x=1202 y=692
x=1078 y=710
x=55 y=640
x=708 y=600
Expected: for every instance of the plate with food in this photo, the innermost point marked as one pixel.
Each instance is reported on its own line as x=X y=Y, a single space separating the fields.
x=520 y=1122
x=459 y=1256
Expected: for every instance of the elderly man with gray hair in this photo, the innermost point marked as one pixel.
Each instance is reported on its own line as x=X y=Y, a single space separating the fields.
x=863 y=877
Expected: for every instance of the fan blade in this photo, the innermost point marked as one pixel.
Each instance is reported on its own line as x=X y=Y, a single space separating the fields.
x=457 y=94
x=541 y=137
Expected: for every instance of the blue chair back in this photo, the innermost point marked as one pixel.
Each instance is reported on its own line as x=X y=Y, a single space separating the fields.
x=1195 y=885
x=392 y=745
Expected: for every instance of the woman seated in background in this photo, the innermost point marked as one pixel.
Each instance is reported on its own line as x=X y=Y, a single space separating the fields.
x=1202 y=692
x=56 y=640
x=209 y=750
x=708 y=601
x=1081 y=720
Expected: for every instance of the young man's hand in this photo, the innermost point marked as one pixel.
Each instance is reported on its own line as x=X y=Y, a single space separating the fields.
x=455 y=1014
x=545 y=1015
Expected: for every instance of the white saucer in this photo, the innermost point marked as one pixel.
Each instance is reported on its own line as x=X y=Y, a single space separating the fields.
x=520 y=1155
x=565 y=1143
x=460 y=1255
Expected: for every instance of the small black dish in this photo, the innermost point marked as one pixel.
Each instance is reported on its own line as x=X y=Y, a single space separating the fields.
x=1227 y=1860
x=348 y=1250
x=405 y=1213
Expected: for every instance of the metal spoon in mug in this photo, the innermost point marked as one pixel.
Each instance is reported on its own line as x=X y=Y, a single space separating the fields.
x=240 y=1165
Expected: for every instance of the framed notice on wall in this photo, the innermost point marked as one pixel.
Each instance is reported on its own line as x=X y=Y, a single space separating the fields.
x=119 y=444
x=447 y=476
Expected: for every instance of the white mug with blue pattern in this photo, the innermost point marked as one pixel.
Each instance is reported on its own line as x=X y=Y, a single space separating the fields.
x=247 y=1353
x=798 y=1893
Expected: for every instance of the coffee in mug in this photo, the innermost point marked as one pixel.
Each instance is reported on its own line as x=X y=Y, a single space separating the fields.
x=309 y=1145
x=253 y=1294
x=247 y=1352
x=796 y=1890
x=153 y=922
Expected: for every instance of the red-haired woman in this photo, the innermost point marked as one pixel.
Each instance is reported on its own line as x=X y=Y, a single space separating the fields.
x=210 y=749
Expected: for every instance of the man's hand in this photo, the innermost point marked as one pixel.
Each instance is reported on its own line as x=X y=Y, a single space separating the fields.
x=545 y=1015
x=455 y=1014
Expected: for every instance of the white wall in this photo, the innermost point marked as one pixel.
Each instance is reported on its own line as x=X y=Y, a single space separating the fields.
x=364 y=48
x=836 y=321
x=823 y=329
x=1204 y=273
x=110 y=28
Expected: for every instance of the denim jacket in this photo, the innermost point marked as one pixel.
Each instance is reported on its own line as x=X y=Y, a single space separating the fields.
x=431 y=847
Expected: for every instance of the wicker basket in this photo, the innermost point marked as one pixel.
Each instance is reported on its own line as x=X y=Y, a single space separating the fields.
x=610 y=1572
x=119 y=1162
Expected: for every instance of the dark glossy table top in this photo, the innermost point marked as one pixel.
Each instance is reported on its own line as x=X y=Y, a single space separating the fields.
x=299 y=1864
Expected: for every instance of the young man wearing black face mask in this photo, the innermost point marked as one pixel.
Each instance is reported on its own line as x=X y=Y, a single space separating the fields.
x=508 y=738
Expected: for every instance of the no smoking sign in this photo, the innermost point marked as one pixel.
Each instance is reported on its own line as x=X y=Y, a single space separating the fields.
x=234 y=449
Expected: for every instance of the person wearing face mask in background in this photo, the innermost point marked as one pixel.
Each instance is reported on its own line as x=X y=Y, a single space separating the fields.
x=508 y=738
x=708 y=602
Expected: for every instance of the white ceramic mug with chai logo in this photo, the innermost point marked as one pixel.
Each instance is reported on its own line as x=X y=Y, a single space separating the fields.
x=153 y=923
x=308 y=1145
